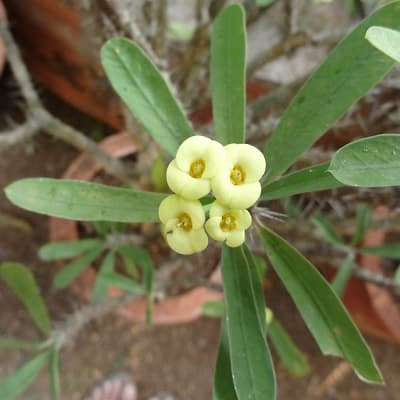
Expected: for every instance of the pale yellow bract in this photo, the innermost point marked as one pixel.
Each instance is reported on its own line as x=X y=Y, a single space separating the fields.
x=183 y=224
x=198 y=159
x=238 y=186
x=202 y=165
x=228 y=225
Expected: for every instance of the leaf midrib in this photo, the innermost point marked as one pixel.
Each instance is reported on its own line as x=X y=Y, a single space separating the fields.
x=326 y=320
x=242 y=333
x=83 y=205
x=300 y=279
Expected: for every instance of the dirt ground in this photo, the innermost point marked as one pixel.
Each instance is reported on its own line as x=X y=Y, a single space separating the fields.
x=177 y=359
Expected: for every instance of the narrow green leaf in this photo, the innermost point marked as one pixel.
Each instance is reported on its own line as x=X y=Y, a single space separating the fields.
x=20 y=280
x=324 y=314
x=292 y=358
x=391 y=251
x=310 y=179
x=397 y=275
x=264 y=3
x=369 y=162
x=213 y=309
x=385 y=40
x=68 y=249
x=130 y=267
x=84 y=201
x=101 y=227
x=177 y=30
x=224 y=388
x=143 y=89
x=143 y=258
x=121 y=282
x=363 y=220
x=100 y=286
x=261 y=267
x=228 y=57
x=18 y=382
x=16 y=344
x=350 y=70
x=293 y=208
x=72 y=270
x=328 y=231
x=158 y=174
x=343 y=275
x=54 y=369
x=252 y=368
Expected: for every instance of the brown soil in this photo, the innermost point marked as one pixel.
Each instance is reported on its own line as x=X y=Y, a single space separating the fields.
x=178 y=359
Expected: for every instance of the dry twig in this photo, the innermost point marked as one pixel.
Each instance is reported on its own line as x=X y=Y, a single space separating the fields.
x=333 y=379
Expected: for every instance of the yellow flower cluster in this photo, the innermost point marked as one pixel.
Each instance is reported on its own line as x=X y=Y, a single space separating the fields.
x=202 y=165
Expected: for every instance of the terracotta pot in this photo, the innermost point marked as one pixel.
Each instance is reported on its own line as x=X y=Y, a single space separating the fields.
x=177 y=309
x=51 y=36
x=2 y=46
x=372 y=307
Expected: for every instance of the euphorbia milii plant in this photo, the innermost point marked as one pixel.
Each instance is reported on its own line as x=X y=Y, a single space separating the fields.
x=234 y=176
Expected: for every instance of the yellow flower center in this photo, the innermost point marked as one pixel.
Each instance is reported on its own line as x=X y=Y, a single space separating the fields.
x=228 y=223
x=238 y=176
x=184 y=222
x=197 y=168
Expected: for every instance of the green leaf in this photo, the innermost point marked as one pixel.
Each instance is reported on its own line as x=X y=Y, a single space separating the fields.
x=143 y=258
x=177 y=30
x=213 y=309
x=261 y=266
x=100 y=287
x=143 y=89
x=20 y=280
x=121 y=282
x=291 y=357
x=324 y=314
x=102 y=228
x=293 y=208
x=252 y=368
x=385 y=40
x=72 y=270
x=68 y=249
x=228 y=56
x=16 y=344
x=369 y=162
x=350 y=70
x=343 y=275
x=18 y=382
x=264 y=3
x=105 y=228
x=224 y=388
x=130 y=267
x=328 y=231
x=84 y=201
x=363 y=221
x=310 y=179
x=397 y=275
x=54 y=369
x=159 y=174
x=391 y=251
